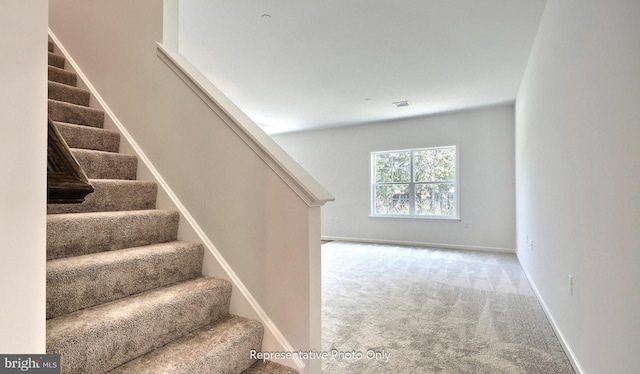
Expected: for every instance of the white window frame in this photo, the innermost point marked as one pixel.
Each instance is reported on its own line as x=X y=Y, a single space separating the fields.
x=412 y=184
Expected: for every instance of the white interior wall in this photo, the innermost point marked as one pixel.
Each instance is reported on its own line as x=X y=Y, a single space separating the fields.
x=339 y=158
x=578 y=178
x=23 y=144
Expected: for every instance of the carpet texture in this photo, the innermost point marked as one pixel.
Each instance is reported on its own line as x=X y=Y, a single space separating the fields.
x=203 y=351
x=100 y=338
x=263 y=367
x=432 y=311
x=85 y=137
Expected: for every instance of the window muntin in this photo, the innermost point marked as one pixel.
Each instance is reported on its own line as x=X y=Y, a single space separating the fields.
x=415 y=183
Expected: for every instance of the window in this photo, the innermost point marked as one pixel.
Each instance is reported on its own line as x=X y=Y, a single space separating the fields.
x=415 y=183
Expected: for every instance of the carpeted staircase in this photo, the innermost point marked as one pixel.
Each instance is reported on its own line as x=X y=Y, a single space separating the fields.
x=123 y=294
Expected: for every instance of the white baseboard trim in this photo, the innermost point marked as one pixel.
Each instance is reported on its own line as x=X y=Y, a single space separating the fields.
x=563 y=342
x=238 y=285
x=421 y=244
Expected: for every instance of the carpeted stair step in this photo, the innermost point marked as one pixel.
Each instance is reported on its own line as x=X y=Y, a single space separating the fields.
x=106 y=165
x=269 y=367
x=112 y=195
x=68 y=94
x=77 y=234
x=56 y=60
x=221 y=347
x=84 y=137
x=50 y=46
x=80 y=282
x=100 y=338
x=76 y=114
x=55 y=74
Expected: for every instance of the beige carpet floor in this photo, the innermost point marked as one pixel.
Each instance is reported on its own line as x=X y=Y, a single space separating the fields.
x=391 y=309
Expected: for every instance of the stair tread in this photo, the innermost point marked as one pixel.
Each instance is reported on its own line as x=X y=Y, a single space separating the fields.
x=74 y=234
x=85 y=137
x=86 y=128
x=69 y=94
x=269 y=367
x=206 y=350
x=55 y=74
x=72 y=113
x=64 y=264
x=83 y=320
x=56 y=60
x=103 y=337
x=74 y=88
x=113 y=195
x=79 y=282
x=98 y=152
x=106 y=165
x=98 y=215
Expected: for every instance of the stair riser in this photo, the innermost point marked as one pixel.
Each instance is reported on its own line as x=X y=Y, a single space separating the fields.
x=77 y=283
x=68 y=94
x=112 y=196
x=61 y=76
x=50 y=46
x=84 y=137
x=76 y=114
x=104 y=165
x=80 y=234
x=124 y=335
x=56 y=60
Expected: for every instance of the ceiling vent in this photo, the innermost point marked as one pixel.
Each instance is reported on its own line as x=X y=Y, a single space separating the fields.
x=401 y=103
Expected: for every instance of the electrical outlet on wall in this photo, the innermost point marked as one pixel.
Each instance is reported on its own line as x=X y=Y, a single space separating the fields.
x=531 y=246
x=337 y=219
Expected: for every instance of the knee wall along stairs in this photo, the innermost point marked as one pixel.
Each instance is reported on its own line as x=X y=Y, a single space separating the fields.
x=124 y=295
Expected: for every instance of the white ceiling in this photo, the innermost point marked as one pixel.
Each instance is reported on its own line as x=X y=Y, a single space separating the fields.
x=313 y=64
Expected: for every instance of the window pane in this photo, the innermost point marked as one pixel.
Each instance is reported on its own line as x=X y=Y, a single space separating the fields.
x=392 y=199
x=435 y=165
x=393 y=167
x=436 y=199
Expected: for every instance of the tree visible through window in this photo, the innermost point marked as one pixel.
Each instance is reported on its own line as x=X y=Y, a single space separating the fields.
x=415 y=182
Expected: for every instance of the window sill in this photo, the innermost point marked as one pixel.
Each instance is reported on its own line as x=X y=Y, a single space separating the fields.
x=417 y=218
